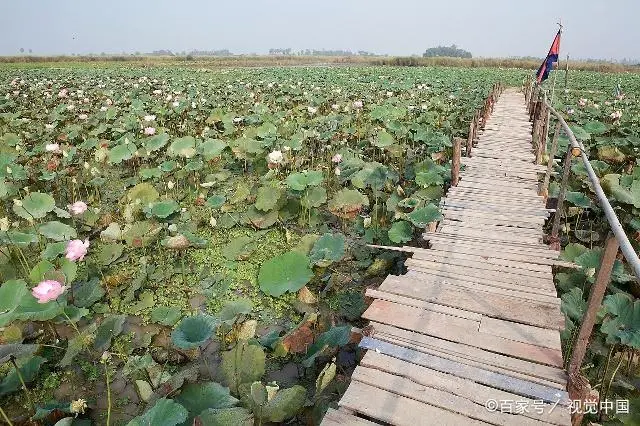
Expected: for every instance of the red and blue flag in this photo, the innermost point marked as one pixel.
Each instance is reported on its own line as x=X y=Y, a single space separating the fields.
x=550 y=60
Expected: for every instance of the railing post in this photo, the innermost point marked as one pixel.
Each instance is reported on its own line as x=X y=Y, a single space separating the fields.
x=470 y=137
x=544 y=186
x=578 y=386
x=595 y=300
x=455 y=161
x=555 y=241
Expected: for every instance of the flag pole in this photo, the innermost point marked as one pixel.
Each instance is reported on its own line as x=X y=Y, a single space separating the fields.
x=553 y=86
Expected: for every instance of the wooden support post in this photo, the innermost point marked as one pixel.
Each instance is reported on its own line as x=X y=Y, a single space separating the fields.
x=595 y=300
x=544 y=186
x=555 y=241
x=470 y=137
x=455 y=161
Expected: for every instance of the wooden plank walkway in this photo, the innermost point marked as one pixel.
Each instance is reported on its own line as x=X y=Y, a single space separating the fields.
x=471 y=333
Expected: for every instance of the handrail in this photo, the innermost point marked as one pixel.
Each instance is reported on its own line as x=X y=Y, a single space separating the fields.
x=612 y=218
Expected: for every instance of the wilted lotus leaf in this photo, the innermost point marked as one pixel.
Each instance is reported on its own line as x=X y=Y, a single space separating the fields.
x=611 y=154
x=268 y=197
x=347 y=203
x=261 y=219
x=143 y=193
x=183 y=147
x=177 y=242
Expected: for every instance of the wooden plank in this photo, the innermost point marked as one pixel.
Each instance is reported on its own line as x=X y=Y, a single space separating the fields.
x=340 y=418
x=438 y=398
x=538 y=220
x=405 y=317
x=478 y=375
x=534 y=247
x=444 y=269
x=390 y=297
x=545 y=296
x=397 y=410
x=487 y=269
x=497 y=221
x=492 y=256
x=496 y=209
x=461 y=258
x=463 y=351
x=491 y=234
x=521 y=333
x=541 y=251
x=488 y=304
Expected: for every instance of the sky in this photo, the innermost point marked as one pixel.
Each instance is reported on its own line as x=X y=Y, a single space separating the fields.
x=487 y=28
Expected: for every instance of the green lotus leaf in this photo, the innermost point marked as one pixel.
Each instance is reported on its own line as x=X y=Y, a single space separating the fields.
x=423 y=216
x=198 y=397
x=573 y=304
x=287 y=272
x=400 y=232
x=212 y=148
x=165 y=412
x=193 y=331
x=57 y=231
x=285 y=404
x=110 y=327
x=301 y=180
x=314 y=197
x=336 y=336
x=166 y=315
x=86 y=293
x=156 y=142
x=216 y=201
x=164 y=209
x=36 y=205
x=578 y=199
x=595 y=127
x=383 y=139
x=122 y=152
x=327 y=249
x=28 y=372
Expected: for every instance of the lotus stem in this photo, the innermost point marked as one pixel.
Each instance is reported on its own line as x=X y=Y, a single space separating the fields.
x=5 y=417
x=106 y=375
x=24 y=385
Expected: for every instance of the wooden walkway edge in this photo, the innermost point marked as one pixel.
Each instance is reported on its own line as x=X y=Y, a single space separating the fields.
x=470 y=335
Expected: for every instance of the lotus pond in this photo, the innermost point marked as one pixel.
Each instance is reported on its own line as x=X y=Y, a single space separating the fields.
x=180 y=244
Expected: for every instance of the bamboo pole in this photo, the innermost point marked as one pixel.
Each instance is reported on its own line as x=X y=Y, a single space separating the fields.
x=544 y=186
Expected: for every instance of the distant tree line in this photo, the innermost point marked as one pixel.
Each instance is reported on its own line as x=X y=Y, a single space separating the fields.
x=447 y=51
x=314 y=52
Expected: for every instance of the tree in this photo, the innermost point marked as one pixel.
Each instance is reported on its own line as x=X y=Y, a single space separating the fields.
x=22 y=50
x=452 y=51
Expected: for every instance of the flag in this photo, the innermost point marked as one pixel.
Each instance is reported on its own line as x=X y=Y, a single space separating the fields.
x=552 y=57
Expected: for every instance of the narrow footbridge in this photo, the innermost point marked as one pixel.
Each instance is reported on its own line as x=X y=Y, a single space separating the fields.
x=470 y=334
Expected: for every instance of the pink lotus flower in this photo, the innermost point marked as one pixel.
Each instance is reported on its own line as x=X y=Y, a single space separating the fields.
x=77 y=208
x=582 y=102
x=47 y=291
x=357 y=104
x=149 y=131
x=76 y=249
x=336 y=158
x=52 y=147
